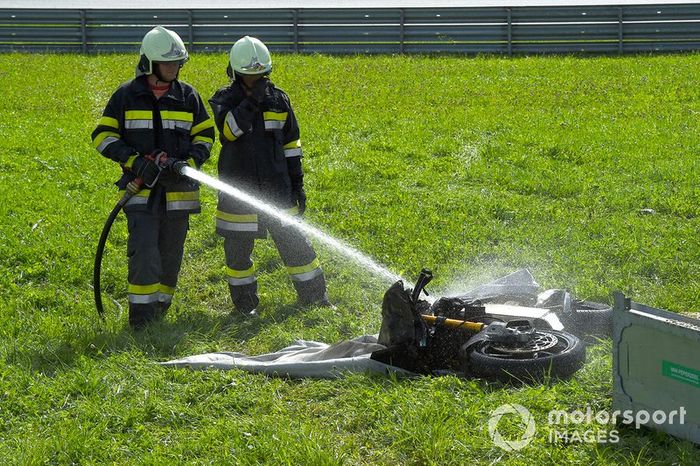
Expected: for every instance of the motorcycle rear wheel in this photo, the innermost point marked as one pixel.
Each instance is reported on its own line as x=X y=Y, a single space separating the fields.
x=550 y=354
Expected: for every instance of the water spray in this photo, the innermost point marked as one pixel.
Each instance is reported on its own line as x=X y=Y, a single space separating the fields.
x=348 y=251
x=296 y=222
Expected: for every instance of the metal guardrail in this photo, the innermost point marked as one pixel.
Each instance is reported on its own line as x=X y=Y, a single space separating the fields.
x=492 y=30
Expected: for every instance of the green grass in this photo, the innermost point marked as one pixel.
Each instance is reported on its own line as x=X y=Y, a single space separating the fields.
x=473 y=167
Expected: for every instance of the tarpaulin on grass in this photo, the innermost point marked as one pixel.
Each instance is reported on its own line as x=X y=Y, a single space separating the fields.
x=302 y=358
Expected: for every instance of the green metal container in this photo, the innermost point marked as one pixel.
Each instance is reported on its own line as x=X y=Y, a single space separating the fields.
x=656 y=368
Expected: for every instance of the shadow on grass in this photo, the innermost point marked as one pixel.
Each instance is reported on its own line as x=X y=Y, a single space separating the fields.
x=166 y=338
x=159 y=340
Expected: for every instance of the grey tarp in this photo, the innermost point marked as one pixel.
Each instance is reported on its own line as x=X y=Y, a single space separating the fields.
x=301 y=359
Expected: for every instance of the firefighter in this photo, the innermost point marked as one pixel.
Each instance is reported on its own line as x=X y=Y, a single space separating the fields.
x=261 y=154
x=150 y=125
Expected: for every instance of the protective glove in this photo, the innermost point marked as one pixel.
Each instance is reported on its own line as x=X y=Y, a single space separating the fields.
x=147 y=168
x=259 y=90
x=299 y=198
x=245 y=114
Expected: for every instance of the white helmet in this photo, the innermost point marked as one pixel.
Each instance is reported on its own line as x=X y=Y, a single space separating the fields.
x=160 y=45
x=250 y=56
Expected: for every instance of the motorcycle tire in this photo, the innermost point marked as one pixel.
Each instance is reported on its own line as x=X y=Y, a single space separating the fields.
x=589 y=319
x=560 y=356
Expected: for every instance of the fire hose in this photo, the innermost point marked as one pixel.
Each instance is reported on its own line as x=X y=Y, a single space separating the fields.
x=134 y=187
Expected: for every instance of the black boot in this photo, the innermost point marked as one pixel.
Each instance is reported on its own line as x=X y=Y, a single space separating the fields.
x=245 y=299
x=313 y=293
x=140 y=315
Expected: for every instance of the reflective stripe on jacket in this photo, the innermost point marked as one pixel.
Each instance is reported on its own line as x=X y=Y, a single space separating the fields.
x=136 y=123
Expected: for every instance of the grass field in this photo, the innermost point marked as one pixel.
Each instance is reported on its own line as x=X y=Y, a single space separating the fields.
x=473 y=167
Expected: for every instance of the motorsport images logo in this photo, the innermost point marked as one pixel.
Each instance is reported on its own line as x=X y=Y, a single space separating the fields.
x=527 y=422
x=579 y=426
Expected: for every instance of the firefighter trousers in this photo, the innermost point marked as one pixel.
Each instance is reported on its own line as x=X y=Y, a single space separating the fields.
x=297 y=255
x=155 y=248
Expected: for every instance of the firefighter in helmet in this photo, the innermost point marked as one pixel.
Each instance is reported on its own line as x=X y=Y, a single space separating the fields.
x=150 y=125
x=261 y=154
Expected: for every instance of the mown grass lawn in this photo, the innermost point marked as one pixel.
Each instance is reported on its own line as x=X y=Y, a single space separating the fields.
x=472 y=167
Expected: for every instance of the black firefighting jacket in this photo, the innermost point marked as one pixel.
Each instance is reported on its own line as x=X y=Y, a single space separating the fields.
x=260 y=155
x=136 y=123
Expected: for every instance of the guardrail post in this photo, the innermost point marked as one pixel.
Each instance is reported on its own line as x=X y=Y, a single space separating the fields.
x=83 y=31
x=510 y=31
x=190 y=23
x=402 y=31
x=619 y=31
x=295 y=15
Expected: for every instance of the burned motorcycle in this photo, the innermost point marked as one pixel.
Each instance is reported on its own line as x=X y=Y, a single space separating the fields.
x=457 y=335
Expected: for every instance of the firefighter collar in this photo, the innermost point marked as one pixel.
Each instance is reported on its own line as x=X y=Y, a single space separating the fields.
x=176 y=93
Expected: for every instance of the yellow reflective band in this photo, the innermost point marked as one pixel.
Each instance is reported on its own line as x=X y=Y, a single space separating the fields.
x=109 y=121
x=293 y=145
x=138 y=115
x=102 y=136
x=166 y=289
x=236 y=218
x=228 y=134
x=198 y=128
x=276 y=116
x=142 y=193
x=304 y=268
x=173 y=115
x=203 y=139
x=240 y=273
x=130 y=161
x=182 y=196
x=143 y=289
